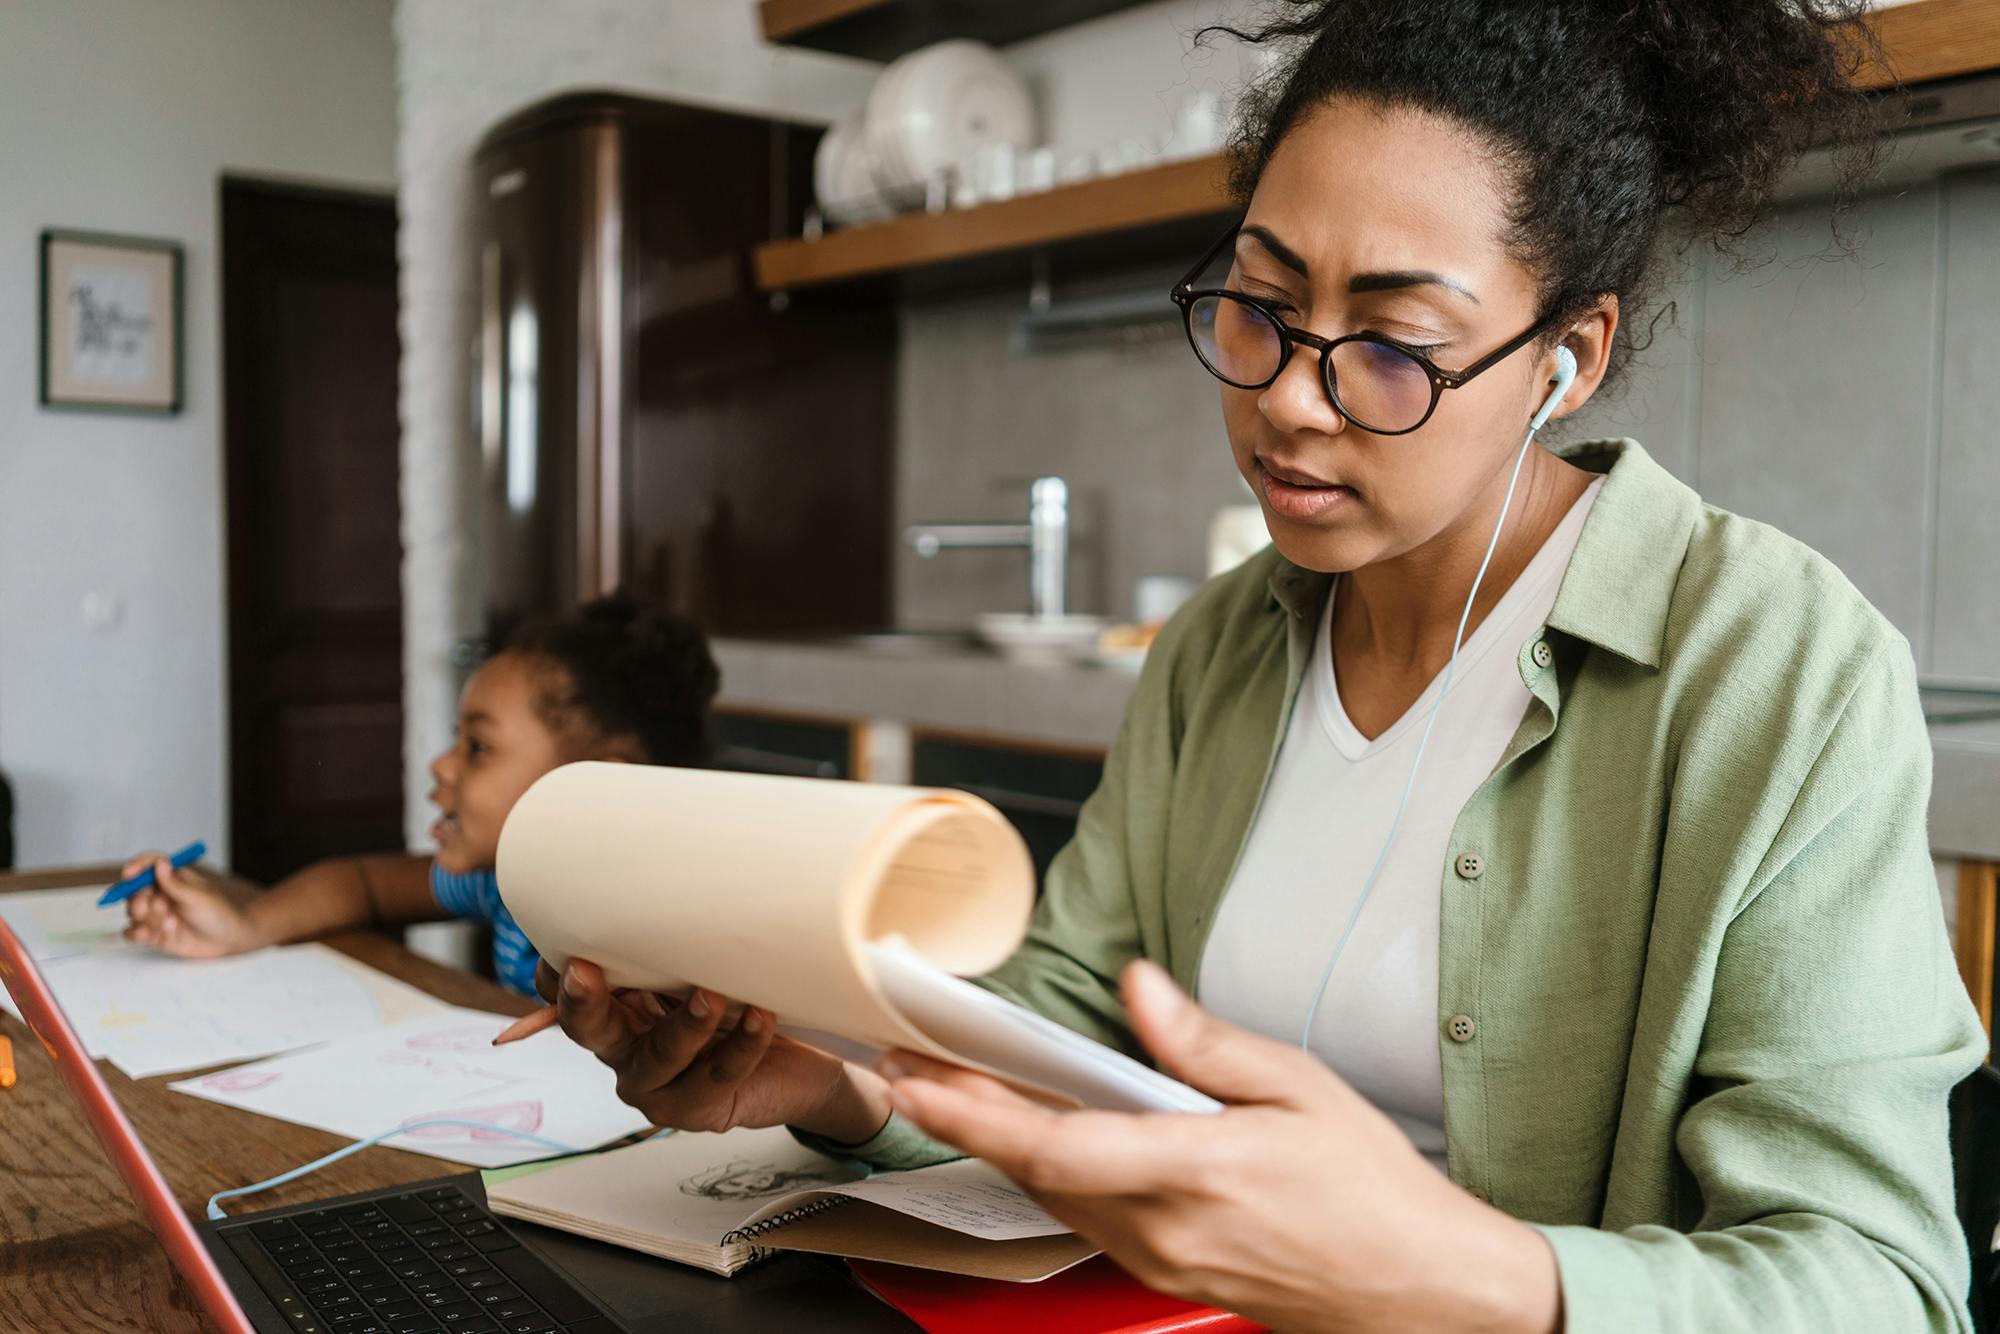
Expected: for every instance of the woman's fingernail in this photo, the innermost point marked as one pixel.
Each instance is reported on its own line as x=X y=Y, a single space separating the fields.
x=698 y=1003
x=891 y=1068
x=753 y=1020
x=572 y=985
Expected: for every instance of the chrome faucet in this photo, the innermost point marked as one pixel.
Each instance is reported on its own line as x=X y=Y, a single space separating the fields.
x=1045 y=535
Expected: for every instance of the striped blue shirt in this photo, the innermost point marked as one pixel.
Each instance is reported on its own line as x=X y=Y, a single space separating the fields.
x=476 y=895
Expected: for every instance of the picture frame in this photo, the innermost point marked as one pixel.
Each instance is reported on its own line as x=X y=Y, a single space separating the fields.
x=111 y=322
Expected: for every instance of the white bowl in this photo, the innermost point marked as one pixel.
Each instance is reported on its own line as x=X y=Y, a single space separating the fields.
x=1041 y=639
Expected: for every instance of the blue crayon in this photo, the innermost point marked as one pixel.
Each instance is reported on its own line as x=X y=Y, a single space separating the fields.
x=125 y=889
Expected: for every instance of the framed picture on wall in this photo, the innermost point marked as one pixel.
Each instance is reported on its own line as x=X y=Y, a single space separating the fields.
x=111 y=322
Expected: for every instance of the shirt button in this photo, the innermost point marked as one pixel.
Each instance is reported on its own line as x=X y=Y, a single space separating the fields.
x=1470 y=866
x=1542 y=653
x=1460 y=1028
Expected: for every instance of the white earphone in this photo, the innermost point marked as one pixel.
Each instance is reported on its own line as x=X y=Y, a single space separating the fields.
x=1565 y=376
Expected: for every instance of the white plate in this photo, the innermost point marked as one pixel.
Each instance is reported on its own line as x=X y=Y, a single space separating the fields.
x=935 y=108
x=844 y=173
x=883 y=117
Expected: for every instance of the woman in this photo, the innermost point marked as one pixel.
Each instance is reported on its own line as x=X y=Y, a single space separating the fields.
x=1651 y=963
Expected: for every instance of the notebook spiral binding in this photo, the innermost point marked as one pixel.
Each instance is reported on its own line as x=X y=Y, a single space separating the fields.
x=776 y=1221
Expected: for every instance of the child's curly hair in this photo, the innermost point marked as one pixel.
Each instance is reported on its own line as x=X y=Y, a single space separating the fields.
x=626 y=672
x=1613 y=115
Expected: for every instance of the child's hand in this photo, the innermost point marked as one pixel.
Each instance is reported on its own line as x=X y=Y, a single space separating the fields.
x=185 y=913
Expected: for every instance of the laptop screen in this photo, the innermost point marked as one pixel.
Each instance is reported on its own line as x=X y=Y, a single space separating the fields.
x=39 y=1010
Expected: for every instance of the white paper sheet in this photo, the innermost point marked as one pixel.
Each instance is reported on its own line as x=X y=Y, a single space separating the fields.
x=155 y=1015
x=995 y=1032
x=63 y=923
x=967 y=1196
x=442 y=1065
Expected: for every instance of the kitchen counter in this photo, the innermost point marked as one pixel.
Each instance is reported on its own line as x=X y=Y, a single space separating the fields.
x=955 y=689
x=967 y=689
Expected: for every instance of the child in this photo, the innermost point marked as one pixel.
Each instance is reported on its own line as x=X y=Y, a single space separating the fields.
x=616 y=680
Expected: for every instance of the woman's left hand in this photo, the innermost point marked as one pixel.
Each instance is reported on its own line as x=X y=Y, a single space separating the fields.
x=1300 y=1205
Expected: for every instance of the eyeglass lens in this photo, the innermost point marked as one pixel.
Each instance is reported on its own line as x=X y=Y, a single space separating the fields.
x=1378 y=387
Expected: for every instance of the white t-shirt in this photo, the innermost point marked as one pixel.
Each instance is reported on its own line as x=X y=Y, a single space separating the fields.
x=1331 y=800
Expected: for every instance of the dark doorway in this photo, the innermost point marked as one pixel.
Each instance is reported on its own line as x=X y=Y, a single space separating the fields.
x=314 y=548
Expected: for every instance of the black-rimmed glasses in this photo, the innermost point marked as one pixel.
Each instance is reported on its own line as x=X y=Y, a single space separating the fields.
x=1371 y=379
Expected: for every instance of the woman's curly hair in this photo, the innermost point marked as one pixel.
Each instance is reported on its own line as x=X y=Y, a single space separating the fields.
x=1613 y=116
x=625 y=670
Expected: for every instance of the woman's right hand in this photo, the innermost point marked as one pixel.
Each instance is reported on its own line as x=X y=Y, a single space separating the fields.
x=185 y=913
x=679 y=1063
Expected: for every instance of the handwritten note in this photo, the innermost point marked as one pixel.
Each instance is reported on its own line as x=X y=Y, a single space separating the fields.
x=440 y=1066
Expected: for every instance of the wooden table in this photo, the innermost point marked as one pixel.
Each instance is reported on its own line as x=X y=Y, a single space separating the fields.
x=75 y=1256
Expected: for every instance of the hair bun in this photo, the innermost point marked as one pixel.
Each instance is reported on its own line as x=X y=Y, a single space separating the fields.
x=1741 y=88
x=1604 y=115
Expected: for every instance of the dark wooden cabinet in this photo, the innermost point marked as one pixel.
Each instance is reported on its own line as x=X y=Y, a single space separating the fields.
x=765 y=743
x=1041 y=790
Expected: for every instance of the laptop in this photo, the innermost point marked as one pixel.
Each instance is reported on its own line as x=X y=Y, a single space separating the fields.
x=425 y=1258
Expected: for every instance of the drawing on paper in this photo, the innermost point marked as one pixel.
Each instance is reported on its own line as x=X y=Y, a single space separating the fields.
x=524 y=1115
x=745 y=1180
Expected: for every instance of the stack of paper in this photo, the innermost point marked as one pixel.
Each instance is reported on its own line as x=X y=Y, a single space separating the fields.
x=442 y=1066
x=155 y=1015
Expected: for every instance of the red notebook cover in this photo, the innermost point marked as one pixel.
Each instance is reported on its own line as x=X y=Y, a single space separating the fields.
x=1095 y=1297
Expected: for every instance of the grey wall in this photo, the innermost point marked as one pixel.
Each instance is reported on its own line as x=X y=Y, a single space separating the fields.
x=1850 y=401
x=1135 y=429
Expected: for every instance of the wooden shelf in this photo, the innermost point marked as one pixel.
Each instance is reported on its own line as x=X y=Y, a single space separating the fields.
x=1924 y=41
x=1191 y=188
x=1934 y=39
x=885 y=29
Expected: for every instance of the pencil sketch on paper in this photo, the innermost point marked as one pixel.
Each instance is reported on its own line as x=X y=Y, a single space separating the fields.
x=744 y=1180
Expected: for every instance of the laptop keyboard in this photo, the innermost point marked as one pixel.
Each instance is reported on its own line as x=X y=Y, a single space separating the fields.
x=432 y=1261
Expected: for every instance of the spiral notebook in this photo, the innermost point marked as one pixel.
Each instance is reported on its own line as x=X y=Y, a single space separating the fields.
x=721 y=1202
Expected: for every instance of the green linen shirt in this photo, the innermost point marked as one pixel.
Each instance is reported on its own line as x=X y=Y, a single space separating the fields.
x=1697 y=1015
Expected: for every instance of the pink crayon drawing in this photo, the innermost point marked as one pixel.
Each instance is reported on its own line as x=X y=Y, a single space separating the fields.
x=524 y=1115
x=242 y=1081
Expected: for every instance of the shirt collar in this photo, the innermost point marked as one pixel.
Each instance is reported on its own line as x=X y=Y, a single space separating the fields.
x=1620 y=582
